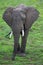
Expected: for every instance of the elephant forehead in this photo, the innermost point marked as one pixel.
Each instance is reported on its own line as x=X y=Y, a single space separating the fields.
x=16 y=13
x=17 y=16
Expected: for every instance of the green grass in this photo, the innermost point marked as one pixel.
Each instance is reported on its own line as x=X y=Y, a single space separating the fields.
x=34 y=47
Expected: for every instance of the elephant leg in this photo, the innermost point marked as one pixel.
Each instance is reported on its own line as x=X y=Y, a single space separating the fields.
x=24 y=39
x=16 y=43
x=18 y=49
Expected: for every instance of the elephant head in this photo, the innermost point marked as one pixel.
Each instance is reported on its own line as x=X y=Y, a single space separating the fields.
x=12 y=15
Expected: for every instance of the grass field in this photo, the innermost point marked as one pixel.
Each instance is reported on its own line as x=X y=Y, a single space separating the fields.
x=34 y=47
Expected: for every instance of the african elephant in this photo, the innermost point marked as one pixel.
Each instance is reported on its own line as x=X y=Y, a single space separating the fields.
x=20 y=19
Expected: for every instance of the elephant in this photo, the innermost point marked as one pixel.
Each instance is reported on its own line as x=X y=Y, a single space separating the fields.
x=20 y=20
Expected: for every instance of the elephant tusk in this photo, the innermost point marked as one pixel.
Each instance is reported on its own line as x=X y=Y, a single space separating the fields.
x=11 y=34
x=22 y=32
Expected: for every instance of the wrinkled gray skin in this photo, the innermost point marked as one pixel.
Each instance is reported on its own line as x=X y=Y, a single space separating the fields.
x=20 y=18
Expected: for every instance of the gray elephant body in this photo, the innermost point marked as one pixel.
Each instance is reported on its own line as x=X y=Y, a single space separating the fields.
x=20 y=18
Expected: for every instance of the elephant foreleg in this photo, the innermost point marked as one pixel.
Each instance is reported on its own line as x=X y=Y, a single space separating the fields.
x=16 y=44
x=23 y=43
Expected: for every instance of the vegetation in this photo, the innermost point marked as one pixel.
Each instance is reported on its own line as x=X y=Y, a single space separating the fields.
x=34 y=47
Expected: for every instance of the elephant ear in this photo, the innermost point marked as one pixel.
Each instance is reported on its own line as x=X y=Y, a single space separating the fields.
x=7 y=16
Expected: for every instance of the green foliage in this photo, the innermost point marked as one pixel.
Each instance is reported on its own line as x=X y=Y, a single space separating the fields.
x=34 y=47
